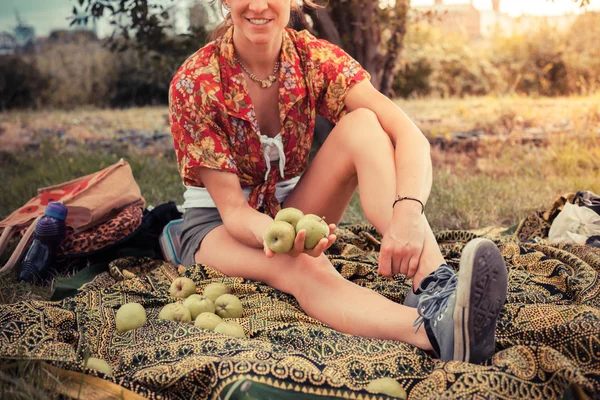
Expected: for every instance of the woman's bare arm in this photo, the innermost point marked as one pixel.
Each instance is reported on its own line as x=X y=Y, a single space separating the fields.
x=242 y=222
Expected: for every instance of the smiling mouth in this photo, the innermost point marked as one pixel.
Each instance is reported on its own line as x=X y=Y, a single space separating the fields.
x=258 y=21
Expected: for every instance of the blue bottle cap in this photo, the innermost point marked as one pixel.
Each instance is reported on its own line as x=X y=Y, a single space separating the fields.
x=56 y=210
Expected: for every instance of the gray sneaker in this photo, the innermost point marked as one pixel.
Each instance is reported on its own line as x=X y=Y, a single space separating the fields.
x=460 y=319
x=430 y=284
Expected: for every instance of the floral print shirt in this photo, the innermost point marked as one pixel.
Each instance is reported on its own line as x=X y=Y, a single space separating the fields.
x=213 y=120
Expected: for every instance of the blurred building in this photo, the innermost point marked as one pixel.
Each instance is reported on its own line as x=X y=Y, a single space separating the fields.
x=21 y=40
x=526 y=23
x=24 y=35
x=8 y=44
x=459 y=18
x=474 y=23
x=495 y=22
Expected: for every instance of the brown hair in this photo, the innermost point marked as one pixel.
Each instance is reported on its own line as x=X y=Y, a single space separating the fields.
x=223 y=26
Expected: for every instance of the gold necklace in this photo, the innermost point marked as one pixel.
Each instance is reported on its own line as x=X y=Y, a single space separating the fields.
x=264 y=83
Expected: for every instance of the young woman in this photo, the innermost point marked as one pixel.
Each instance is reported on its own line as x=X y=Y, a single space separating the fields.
x=242 y=113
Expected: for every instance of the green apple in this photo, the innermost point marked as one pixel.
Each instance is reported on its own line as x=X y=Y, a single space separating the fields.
x=99 y=365
x=214 y=290
x=175 y=312
x=182 y=288
x=387 y=386
x=316 y=229
x=290 y=215
x=198 y=304
x=228 y=306
x=130 y=316
x=230 y=329
x=207 y=320
x=280 y=236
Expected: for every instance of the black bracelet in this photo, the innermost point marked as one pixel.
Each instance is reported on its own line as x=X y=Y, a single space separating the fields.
x=410 y=198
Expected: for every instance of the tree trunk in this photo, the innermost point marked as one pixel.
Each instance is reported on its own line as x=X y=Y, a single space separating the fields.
x=394 y=46
x=324 y=25
x=358 y=26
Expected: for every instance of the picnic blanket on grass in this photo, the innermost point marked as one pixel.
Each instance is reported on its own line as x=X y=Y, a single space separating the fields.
x=548 y=336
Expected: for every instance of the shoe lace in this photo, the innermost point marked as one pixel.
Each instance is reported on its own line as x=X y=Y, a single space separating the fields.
x=431 y=301
x=433 y=282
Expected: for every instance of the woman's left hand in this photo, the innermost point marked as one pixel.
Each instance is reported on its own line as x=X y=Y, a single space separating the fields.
x=402 y=245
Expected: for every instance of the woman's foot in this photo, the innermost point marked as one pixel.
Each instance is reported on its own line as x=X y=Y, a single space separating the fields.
x=430 y=284
x=460 y=318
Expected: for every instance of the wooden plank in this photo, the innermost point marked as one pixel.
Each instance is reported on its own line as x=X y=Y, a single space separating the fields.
x=81 y=386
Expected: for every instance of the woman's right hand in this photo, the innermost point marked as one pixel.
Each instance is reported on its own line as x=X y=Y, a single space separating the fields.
x=298 y=248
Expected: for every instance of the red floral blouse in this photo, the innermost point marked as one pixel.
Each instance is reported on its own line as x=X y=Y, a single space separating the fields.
x=214 y=124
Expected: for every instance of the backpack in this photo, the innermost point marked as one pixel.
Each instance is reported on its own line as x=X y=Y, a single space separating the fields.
x=103 y=208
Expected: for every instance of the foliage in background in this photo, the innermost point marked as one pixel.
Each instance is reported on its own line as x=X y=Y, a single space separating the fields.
x=371 y=31
x=81 y=72
x=543 y=62
x=145 y=69
x=443 y=65
x=534 y=63
x=22 y=84
x=84 y=71
x=584 y=53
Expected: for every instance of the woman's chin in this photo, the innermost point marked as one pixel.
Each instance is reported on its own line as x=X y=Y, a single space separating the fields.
x=259 y=39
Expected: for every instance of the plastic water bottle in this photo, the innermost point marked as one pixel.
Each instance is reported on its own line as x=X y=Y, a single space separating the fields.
x=50 y=231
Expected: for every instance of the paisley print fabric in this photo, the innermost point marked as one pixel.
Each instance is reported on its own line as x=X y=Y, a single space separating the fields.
x=548 y=336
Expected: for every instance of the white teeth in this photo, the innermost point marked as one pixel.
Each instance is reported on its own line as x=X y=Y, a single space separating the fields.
x=259 y=21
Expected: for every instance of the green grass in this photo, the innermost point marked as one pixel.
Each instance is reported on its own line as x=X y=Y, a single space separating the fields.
x=27 y=380
x=26 y=171
x=503 y=184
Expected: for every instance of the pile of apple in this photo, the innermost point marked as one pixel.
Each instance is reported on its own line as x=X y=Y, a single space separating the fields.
x=206 y=310
x=281 y=234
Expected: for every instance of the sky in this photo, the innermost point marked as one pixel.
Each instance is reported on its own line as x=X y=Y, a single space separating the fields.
x=46 y=15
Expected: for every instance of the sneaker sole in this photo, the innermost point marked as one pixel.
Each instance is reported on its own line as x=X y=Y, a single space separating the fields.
x=478 y=301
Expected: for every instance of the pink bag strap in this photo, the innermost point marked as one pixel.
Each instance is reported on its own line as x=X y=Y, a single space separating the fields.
x=20 y=250
x=7 y=233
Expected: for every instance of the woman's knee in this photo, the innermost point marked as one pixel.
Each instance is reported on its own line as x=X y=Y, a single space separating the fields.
x=358 y=120
x=361 y=115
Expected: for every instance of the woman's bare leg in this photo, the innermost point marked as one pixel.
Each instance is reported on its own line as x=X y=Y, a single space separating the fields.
x=320 y=290
x=358 y=152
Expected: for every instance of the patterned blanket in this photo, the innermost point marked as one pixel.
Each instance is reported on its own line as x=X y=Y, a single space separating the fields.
x=548 y=337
